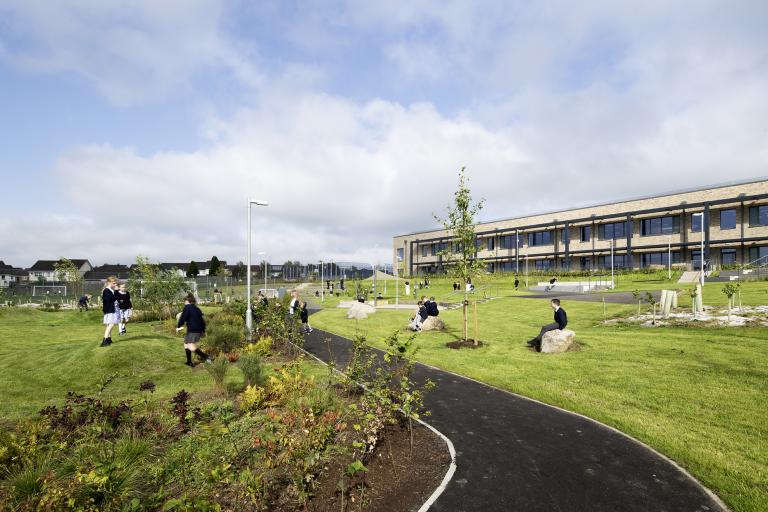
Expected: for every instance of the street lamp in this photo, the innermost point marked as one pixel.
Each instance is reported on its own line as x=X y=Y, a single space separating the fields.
x=397 y=282
x=669 y=256
x=702 y=245
x=613 y=284
x=248 y=312
x=322 y=282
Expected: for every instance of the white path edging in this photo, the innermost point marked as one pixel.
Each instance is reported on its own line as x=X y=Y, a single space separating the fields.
x=451 y=449
x=696 y=482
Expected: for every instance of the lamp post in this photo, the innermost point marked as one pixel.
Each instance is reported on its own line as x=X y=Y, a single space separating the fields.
x=517 y=259
x=322 y=282
x=702 y=245
x=397 y=282
x=248 y=312
x=526 y=270
x=669 y=257
x=613 y=283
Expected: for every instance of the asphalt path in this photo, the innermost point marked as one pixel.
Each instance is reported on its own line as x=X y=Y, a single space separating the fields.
x=516 y=454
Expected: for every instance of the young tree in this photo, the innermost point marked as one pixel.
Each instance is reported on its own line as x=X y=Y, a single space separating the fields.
x=215 y=267
x=462 y=263
x=67 y=272
x=192 y=270
x=156 y=290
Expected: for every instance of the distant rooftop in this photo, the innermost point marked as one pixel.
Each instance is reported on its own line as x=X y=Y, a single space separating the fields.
x=625 y=200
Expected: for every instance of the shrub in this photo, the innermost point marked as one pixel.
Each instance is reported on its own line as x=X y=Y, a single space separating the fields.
x=252 y=399
x=218 y=370
x=263 y=347
x=223 y=337
x=253 y=370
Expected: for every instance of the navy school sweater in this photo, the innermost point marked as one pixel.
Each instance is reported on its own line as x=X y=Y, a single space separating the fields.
x=193 y=317
x=108 y=301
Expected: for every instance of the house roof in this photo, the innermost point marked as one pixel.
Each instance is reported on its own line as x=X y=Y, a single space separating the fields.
x=201 y=265
x=104 y=271
x=48 y=265
x=10 y=271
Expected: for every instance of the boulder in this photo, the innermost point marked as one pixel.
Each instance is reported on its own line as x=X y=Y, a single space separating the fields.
x=432 y=323
x=557 y=341
x=360 y=311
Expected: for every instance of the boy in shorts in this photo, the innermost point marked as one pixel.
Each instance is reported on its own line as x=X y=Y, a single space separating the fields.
x=193 y=317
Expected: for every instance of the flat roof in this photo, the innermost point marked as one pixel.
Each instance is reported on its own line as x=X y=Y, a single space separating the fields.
x=596 y=205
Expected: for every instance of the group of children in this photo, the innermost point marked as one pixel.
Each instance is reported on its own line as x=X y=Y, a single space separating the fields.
x=426 y=307
x=117 y=308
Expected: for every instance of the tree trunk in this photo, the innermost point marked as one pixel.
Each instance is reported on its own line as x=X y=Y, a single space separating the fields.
x=464 y=307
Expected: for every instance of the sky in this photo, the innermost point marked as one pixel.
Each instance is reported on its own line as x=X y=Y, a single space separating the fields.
x=143 y=127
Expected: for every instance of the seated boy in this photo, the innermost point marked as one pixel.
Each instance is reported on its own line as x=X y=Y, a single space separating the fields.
x=561 y=320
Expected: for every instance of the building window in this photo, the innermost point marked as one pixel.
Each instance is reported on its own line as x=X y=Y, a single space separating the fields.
x=507 y=266
x=658 y=258
x=401 y=252
x=542 y=264
x=756 y=253
x=564 y=235
x=619 y=261
x=491 y=243
x=584 y=233
x=585 y=263
x=424 y=249
x=612 y=230
x=433 y=250
x=758 y=215
x=660 y=226
x=489 y=268
x=507 y=242
x=727 y=256
x=728 y=219
x=696 y=222
x=539 y=238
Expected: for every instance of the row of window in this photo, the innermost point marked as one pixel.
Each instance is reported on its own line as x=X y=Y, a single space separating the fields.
x=758 y=216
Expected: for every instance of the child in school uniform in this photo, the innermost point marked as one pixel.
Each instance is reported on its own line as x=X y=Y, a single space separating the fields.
x=110 y=309
x=125 y=307
x=304 y=315
x=193 y=317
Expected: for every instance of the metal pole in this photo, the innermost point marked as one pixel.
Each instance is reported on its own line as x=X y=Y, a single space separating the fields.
x=613 y=283
x=397 y=283
x=526 y=270
x=669 y=257
x=248 y=312
x=517 y=260
x=322 y=282
x=265 y=275
x=374 y=287
x=702 y=250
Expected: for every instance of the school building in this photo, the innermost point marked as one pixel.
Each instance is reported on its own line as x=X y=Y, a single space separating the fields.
x=731 y=218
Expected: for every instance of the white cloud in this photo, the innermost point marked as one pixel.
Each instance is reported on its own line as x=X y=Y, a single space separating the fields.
x=132 y=53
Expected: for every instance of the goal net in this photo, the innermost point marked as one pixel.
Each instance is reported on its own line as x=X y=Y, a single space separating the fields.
x=50 y=290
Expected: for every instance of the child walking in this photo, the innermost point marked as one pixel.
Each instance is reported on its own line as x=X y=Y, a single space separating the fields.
x=193 y=317
x=304 y=315
x=110 y=310
x=125 y=306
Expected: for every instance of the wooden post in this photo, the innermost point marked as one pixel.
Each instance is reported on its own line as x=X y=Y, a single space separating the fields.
x=477 y=339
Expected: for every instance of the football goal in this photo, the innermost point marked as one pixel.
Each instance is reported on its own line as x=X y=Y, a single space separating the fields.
x=49 y=290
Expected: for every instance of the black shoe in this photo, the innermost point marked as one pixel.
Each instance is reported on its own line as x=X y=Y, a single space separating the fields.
x=104 y=343
x=531 y=343
x=190 y=364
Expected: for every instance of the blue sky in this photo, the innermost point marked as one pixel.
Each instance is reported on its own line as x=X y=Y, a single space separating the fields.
x=343 y=114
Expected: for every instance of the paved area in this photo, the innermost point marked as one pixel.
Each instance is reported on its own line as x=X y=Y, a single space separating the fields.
x=514 y=454
x=611 y=298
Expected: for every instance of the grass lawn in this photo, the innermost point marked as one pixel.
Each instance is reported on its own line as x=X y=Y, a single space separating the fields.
x=697 y=395
x=44 y=355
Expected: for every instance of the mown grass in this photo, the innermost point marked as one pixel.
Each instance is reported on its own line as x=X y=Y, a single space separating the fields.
x=697 y=394
x=44 y=355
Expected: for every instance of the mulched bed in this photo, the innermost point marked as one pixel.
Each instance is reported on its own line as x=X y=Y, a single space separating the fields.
x=463 y=344
x=398 y=478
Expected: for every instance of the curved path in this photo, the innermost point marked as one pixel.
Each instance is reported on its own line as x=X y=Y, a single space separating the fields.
x=516 y=454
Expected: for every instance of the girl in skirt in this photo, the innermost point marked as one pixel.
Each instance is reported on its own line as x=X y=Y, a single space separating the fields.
x=193 y=317
x=110 y=309
x=125 y=306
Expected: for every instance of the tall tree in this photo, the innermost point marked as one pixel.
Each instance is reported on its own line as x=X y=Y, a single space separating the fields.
x=238 y=271
x=67 y=272
x=192 y=270
x=215 y=268
x=156 y=290
x=462 y=262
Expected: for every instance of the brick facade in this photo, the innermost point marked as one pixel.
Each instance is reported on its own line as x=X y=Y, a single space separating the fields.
x=622 y=222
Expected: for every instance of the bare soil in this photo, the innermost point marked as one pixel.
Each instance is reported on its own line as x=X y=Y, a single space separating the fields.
x=398 y=478
x=470 y=343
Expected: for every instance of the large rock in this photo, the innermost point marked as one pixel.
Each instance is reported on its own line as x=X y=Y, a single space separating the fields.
x=360 y=311
x=432 y=323
x=557 y=341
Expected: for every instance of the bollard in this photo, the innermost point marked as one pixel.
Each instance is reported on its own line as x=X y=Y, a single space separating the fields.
x=668 y=304
x=663 y=300
x=674 y=299
x=699 y=301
